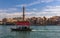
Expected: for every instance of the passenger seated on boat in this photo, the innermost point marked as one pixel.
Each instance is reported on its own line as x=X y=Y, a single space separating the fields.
x=28 y=28
x=24 y=27
x=19 y=27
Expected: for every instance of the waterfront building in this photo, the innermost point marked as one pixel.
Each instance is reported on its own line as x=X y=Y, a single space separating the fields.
x=53 y=20
x=4 y=20
x=34 y=20
x=1 y=22
x=40 y=21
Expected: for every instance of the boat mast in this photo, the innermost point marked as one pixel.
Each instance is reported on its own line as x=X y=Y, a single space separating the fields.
x=23 y=13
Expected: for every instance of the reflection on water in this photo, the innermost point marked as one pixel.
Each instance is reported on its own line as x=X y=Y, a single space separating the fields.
x=37 y=32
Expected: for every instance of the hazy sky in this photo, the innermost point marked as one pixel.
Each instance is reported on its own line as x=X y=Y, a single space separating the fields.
x=13 y=8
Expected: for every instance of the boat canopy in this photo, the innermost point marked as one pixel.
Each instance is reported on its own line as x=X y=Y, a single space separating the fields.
x=23 y=23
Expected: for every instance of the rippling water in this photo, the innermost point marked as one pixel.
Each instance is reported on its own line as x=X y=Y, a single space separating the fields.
x=37 y=32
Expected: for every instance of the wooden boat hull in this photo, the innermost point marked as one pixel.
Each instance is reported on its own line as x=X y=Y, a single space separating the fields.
x=21 y=29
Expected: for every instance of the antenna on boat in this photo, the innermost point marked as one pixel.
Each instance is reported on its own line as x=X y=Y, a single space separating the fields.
x=23 y=13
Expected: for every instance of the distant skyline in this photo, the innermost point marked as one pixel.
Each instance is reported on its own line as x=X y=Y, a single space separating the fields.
x=38 y=8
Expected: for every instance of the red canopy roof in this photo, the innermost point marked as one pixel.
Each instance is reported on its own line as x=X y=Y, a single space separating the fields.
x=23 y=23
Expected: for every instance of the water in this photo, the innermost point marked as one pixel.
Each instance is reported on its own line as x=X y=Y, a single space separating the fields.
x=37 y=32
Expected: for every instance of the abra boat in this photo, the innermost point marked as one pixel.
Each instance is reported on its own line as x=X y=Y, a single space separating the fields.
x=25 y=24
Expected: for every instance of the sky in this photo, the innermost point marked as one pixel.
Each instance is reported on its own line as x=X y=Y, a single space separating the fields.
x=33 y=8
